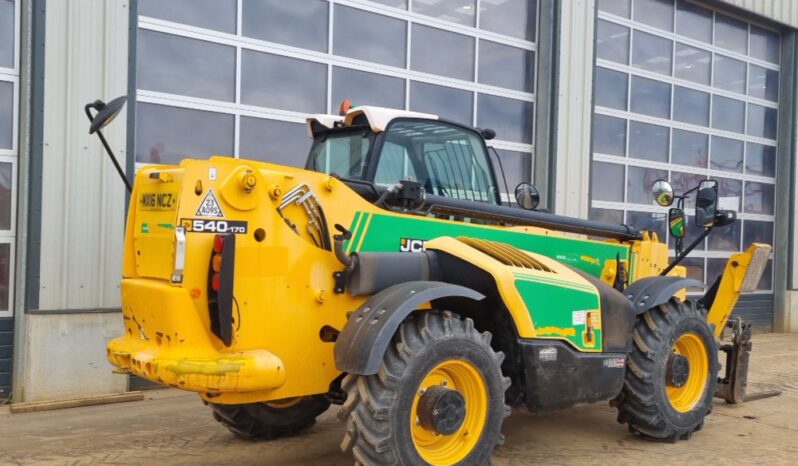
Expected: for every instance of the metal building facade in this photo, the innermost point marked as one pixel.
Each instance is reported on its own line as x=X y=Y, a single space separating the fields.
x=71 y=205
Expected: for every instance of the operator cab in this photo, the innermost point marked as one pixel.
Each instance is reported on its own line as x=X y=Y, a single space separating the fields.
x=381 y=147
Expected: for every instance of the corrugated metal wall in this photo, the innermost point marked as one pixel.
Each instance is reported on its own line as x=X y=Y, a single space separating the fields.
x=575 y=107
x=82 y=197
x=783 y=11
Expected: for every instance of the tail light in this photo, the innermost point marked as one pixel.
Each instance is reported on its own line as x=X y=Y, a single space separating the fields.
x=220 y=286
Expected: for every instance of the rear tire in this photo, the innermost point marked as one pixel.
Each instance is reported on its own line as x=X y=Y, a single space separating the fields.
x=432 y=352
x=655 y=403
x=270 y=420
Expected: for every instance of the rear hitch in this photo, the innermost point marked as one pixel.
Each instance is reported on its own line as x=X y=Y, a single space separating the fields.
x=732 y=386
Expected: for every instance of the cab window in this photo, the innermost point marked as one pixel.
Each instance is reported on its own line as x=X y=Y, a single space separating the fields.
x=447 y=160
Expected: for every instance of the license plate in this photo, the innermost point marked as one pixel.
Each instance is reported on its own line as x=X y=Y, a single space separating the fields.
x=158 y=201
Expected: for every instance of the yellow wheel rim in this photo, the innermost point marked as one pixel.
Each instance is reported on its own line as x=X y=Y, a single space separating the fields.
x=285 y=402
x=684 y=398
x=437 y=449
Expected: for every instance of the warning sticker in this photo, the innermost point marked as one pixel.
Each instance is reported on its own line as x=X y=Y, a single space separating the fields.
x=578 y=317
x=209 y=206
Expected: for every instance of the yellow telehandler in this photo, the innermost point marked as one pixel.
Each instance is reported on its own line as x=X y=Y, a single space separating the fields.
x=393 y=278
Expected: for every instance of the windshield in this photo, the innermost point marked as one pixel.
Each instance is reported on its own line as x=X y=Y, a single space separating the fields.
x=446 y=159
x=342 y=153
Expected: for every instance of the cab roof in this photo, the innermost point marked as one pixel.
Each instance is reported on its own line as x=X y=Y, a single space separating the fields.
x=377 y=117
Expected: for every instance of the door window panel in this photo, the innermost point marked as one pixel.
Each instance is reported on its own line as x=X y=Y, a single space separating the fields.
x=692 y=64
x=657 y=13
x=652 y=53
x=7 y=34
x=6 y=195
x=759 y=198
x=191 y=67
x=364 y=88
x=160 y=134
x=762 y=121
x=611 y=88
x=451 y=104
x=640 y=180
x=455 y=11
x=693 y=21
x=689 y=148
x=274 y=141
x=765 y=44
x=515 y=18
x=605 y=179
x=763 y=83
x=760 y=159
x=609 y=135
x=690 y=106
x=731 y=34
x=219 y=15
x=651 y=97
x=728 y=114
x=6 y=115
x=298 y=23
x=612 y=42
x=727 y=154
x=280 y=82
x=507 y=67
x=729 y=74
x=442 y=52
x=368 y=36
x=512 y=119
x=649 y=142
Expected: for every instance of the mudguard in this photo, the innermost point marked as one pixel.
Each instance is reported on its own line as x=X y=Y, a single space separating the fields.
x=368 y=331
x=649 y=292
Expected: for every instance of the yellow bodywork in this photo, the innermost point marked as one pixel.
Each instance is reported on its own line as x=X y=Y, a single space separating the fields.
x=283 y=283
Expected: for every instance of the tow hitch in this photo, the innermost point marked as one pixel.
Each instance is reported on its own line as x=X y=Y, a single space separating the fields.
x=732 y=386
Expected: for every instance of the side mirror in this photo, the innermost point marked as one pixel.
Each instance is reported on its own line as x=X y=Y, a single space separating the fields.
x=706 y=203
x=676 y=222
x=105 y=113
x=662 y=192
x=527 y=196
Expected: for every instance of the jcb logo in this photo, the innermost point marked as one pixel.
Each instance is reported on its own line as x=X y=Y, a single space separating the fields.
x=411 y=245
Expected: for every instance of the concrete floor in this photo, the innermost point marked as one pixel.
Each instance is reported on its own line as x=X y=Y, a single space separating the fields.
x=172 y=427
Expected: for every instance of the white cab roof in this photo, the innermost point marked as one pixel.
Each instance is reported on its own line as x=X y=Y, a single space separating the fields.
x=378 y=118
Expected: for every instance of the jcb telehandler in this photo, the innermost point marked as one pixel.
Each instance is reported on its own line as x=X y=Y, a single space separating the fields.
x=391 y=277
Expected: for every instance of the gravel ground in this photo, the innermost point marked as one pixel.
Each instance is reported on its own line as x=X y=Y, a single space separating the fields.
x=172 y=427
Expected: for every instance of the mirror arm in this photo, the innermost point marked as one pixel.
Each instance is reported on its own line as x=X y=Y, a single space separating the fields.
x=687 y=251
x=107 y=147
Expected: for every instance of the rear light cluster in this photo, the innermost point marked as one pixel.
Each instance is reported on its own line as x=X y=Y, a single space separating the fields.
x=216 y=262
x=220 y=286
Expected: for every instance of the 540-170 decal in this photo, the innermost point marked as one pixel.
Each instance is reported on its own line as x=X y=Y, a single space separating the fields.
x=197 y=225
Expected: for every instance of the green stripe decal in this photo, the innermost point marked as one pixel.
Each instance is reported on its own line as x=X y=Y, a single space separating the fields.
x=553 y=281
x=353 y=229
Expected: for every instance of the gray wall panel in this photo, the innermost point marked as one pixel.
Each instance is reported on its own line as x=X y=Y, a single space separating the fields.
x=82 y=198
x=783 y=11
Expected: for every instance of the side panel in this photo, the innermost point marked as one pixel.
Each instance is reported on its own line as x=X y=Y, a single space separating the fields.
x=560 y=311
x=386 y=232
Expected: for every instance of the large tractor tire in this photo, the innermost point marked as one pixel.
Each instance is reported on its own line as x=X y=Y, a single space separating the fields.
x=270 y=420
x=438 y=398
x=671 y=373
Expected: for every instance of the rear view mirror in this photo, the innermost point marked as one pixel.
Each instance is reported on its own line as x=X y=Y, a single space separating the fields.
x=662 y=192
x=527 y=196
x=105 y=113
x=706 y=203
x=676 y=222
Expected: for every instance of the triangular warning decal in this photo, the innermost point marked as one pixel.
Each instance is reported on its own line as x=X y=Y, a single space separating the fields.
x=209 y=206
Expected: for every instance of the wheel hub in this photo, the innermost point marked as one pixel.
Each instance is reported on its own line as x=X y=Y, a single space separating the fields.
x=678 y=370
x=441 y=410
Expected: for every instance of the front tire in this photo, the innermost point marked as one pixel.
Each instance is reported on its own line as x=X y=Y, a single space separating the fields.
x=437 y=399
x=671 y=373
x=270 y=420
